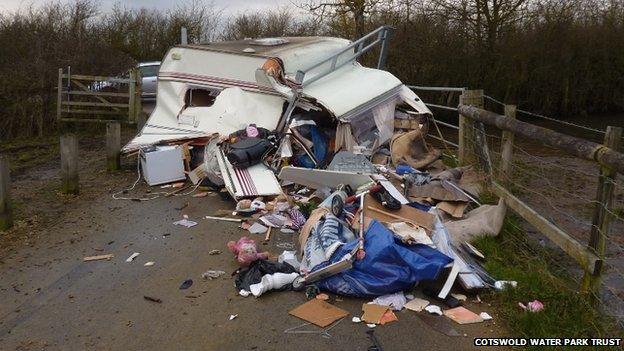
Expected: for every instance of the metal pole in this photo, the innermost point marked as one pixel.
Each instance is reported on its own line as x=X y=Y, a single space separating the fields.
x=183 y=36
x=384 y=48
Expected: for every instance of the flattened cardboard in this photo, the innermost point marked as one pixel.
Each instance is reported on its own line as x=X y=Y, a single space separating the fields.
x=437 y=191
x=318 y=312
x=373 y=313
x=388 y=317
x=462 y=315
x=375 y=210
x=454 y=208
x=416 y=304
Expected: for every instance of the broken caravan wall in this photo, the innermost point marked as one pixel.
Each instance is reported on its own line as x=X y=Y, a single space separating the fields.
x=184 y=68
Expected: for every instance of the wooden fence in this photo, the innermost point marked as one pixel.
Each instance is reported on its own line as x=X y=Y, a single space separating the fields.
x=472 y=148
x=100 y=99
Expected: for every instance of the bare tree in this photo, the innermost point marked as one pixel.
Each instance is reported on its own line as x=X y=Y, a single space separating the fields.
x=488 y=18
x=344 y=10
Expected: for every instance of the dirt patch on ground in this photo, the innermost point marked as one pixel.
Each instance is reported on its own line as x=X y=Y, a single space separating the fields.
x=37 y=201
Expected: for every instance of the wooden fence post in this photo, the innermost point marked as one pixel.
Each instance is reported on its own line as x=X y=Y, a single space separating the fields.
x=113 y=145
x=507 y=148
x=69 y=164
x=601 y=221
x=132 y=96
x=59 y=94
x=6 y=213
x=466 y=126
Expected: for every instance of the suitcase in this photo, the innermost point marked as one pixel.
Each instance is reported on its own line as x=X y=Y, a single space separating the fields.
x=247 y=152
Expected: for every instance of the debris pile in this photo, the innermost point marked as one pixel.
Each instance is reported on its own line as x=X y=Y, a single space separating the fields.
x=342 y=165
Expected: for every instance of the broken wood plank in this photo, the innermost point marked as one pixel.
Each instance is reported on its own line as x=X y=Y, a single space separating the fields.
x=98 y=258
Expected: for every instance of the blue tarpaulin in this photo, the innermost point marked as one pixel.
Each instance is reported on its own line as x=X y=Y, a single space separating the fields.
x=388 y=267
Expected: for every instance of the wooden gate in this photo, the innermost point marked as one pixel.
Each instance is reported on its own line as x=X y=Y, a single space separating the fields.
x=100 y=99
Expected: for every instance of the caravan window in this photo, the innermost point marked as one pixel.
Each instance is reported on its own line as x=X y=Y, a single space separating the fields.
x=200 y=97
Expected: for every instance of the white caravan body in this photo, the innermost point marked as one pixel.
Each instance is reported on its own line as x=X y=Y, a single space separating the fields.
x=234 y=95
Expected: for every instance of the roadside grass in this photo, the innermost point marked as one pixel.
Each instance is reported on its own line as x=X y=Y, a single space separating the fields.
x=566 y=314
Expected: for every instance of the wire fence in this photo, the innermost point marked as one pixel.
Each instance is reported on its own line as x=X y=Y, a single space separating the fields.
x=561 y=188
x=450 y=90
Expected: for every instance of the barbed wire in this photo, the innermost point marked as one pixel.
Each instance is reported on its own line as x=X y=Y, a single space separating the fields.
x=537 y=115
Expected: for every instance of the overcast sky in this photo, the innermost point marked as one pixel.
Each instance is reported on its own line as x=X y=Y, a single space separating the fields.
x=229 y=7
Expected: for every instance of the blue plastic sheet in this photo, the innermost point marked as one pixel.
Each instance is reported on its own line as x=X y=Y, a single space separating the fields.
x=388 y=267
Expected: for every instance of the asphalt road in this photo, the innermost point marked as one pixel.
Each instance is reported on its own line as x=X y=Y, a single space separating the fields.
x=52 y=300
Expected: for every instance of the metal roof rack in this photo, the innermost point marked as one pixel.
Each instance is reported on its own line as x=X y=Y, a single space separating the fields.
x=378 y=36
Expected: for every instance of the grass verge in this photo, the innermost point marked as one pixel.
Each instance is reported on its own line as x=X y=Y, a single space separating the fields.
x=567 y=314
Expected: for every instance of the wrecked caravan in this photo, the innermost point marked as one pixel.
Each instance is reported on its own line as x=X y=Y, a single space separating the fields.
x=223 y=87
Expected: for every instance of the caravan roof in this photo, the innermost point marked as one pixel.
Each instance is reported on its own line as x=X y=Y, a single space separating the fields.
x=269 y=47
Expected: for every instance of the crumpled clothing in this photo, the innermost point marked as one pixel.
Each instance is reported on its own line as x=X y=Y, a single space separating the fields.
x=274 y=220
x=325 y=238
x=297 y=218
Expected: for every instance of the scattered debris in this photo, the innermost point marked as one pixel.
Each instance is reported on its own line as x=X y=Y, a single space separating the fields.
x=416 y=304
x=237 y=220
x=388 y=317
x=233 y=316
x=98 y=257
x=246 y=251
x=533 y=306
x=185 y=205
x=504 y=284
x=132 y=257
x=460 y=297
x=485 y=316
x=433 y=309
x=257 y=228
x=373 y=313
x=272 y=282
x=323 y=297
x=319 y=313
x=462 y=315
x=186 y=284
x=153 y=299
x=396 y=301
x=212 y=274
x=383 y=216
x=185 y=223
